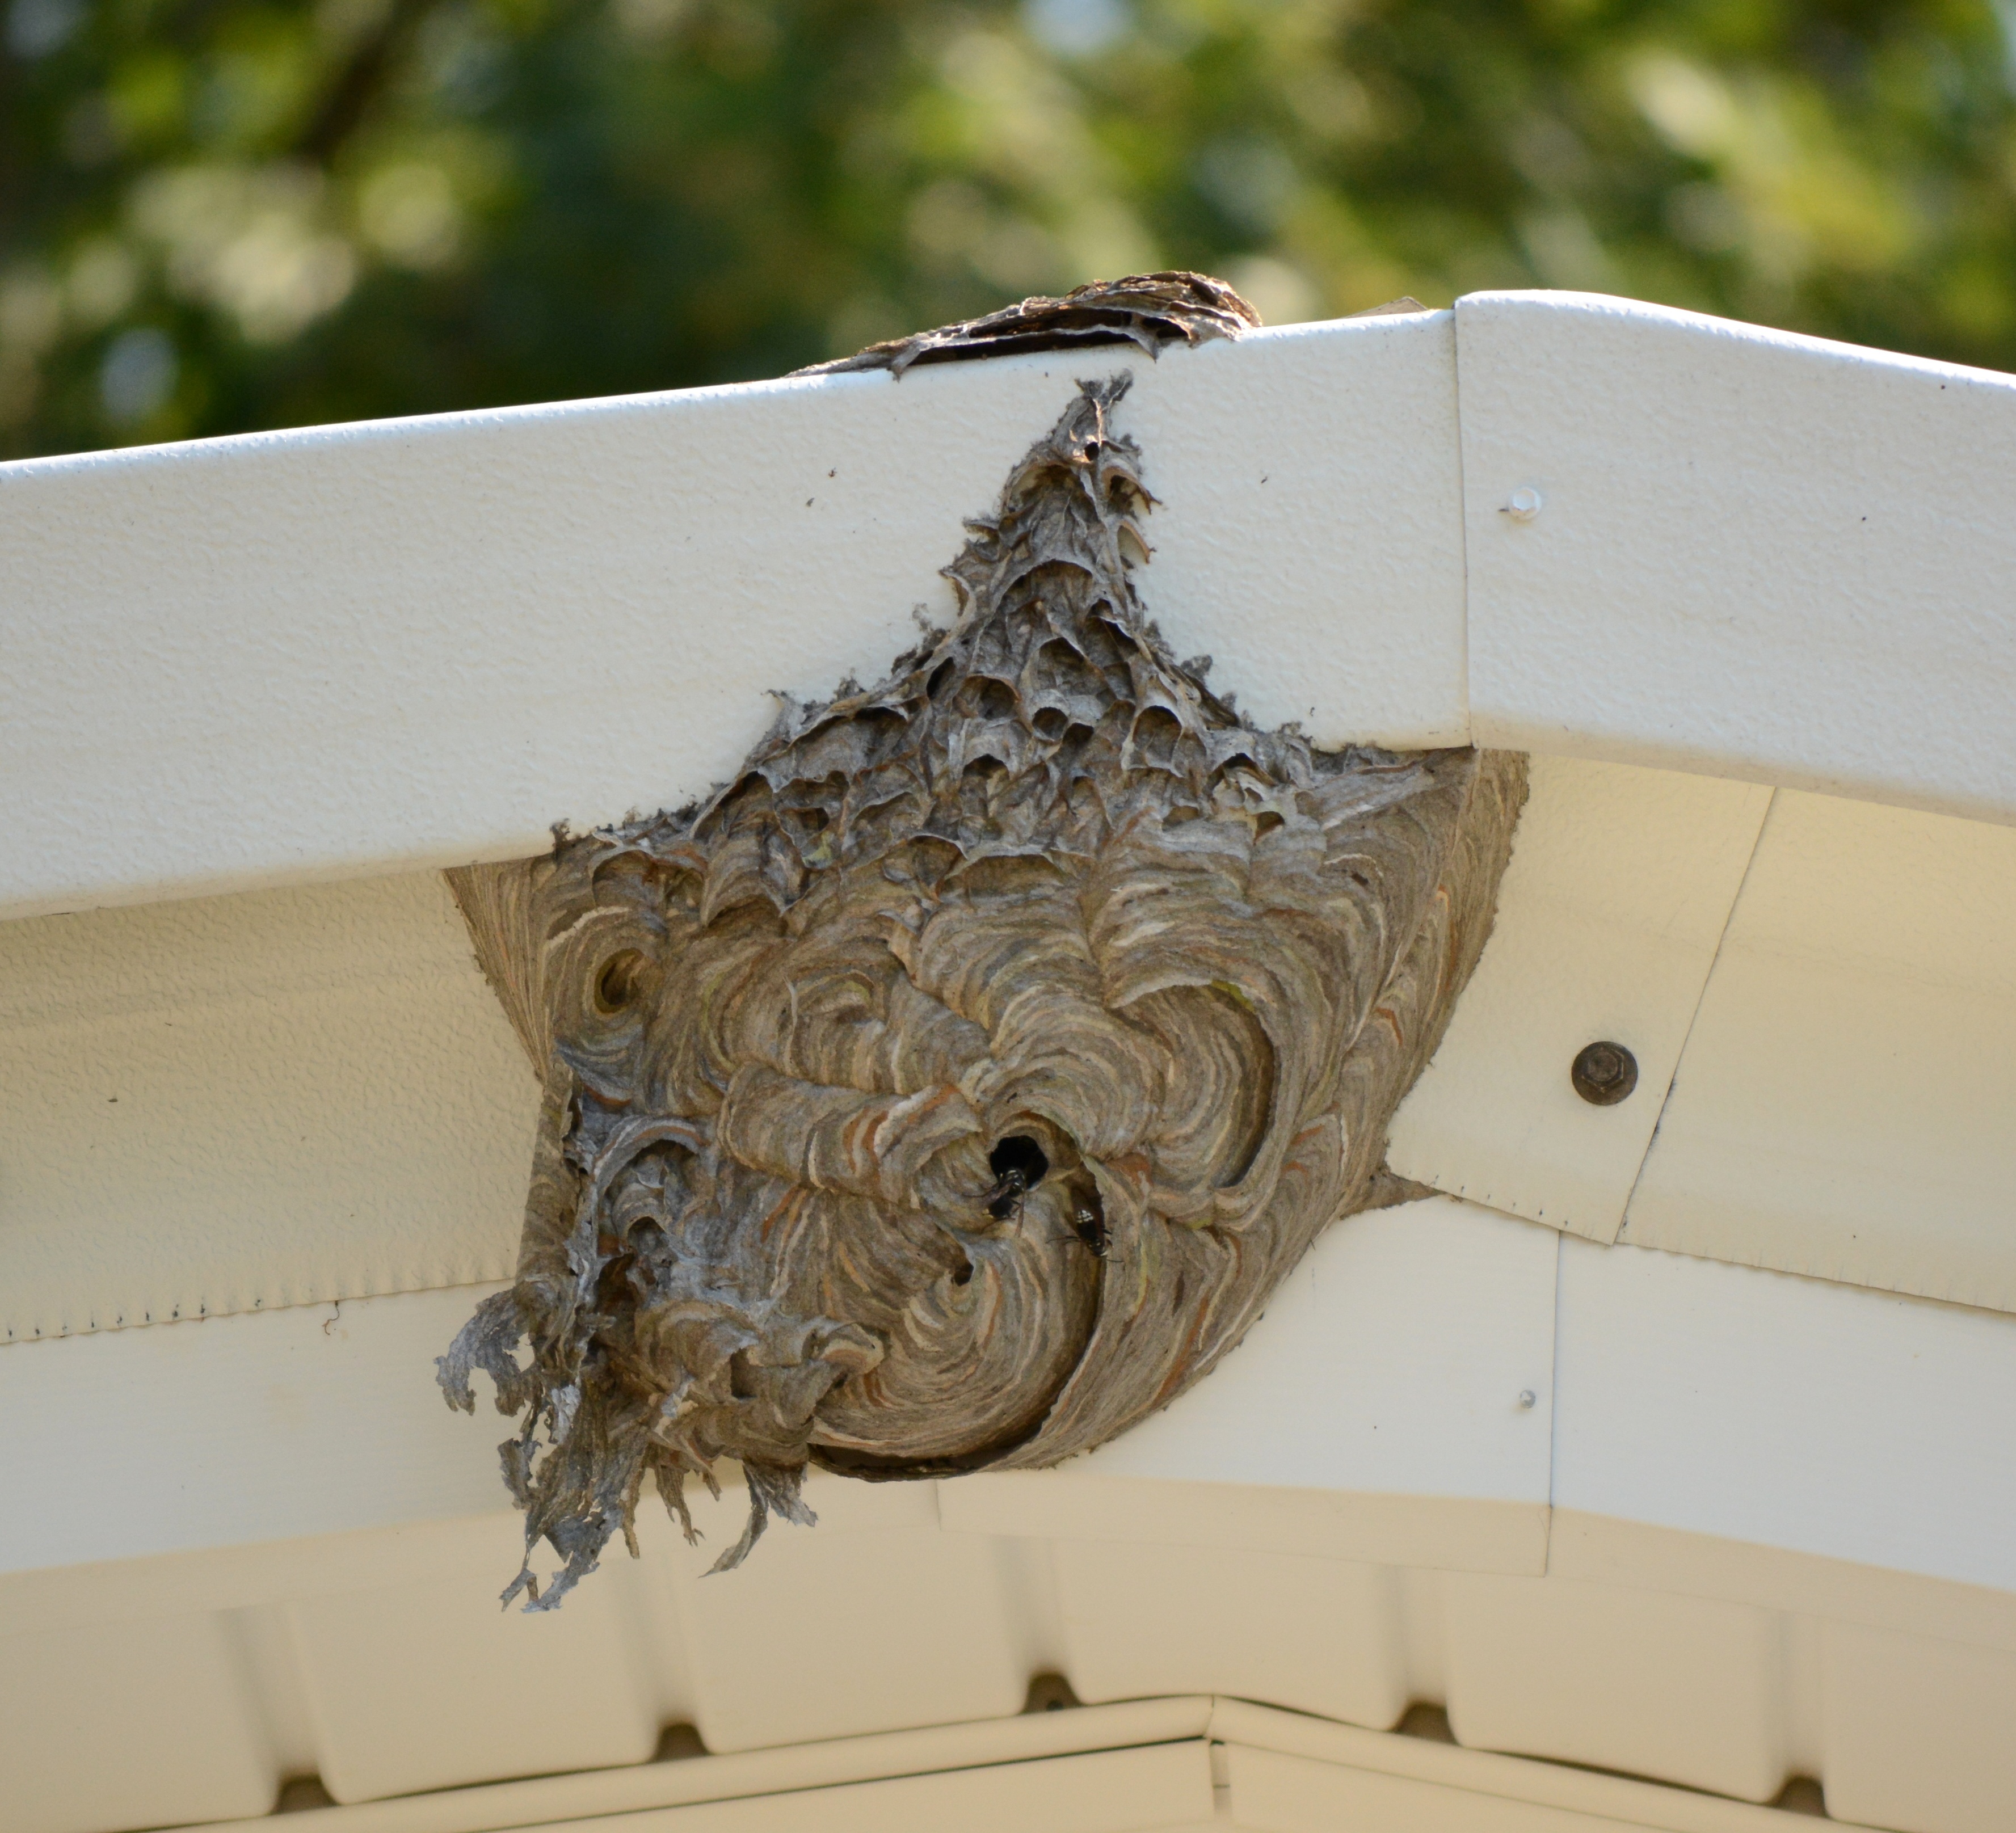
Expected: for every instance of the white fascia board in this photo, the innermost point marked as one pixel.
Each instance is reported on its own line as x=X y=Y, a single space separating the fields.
x=1469 y=1788
x=293 y=656
x=1842 y=1107
x=285 y=657
x=1289 y=1771
x=1770 y=1410
x=1415 y=1332
x=1391 y=1405
x=793 y=1771
x=1609 y=918
x=1709 y=546
x=235 y=1104
x=271 y=1425
x=1373 y=1413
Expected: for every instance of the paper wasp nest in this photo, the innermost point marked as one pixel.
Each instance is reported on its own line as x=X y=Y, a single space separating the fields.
x=951 y=1090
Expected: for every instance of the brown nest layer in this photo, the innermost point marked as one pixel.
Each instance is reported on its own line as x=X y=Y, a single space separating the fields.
x=950 y=1090
x=1148 y=310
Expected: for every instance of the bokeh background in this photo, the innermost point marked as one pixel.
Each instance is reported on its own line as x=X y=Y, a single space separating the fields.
x=225 y=214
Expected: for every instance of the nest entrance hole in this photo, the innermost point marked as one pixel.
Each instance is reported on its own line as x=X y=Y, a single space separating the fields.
x=619 y=982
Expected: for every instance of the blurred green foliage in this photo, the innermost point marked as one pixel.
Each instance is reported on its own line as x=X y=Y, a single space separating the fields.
x=224 y=214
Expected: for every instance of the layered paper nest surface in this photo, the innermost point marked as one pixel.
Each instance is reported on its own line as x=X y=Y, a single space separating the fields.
x=949 y=1091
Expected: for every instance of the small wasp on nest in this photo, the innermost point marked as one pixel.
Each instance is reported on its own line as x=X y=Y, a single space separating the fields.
x=950 y=1090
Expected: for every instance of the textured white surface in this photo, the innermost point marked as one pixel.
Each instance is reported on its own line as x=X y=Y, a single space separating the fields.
x=462 y=1671
x=127 y=1725
x=1410 y=1334
x=1759 y=554
x=1163 y=1786
x=1608 y=918
x=1342 y=1650
x=1790 y=1413
x=226 y=1430
x=334 y=651
x=1846 y=1107
x=1919 y=1734
x=337 y=651
x=887 y=1621
x=1679 y=1687
x=234 y=1103
x=1418 y=1328
x=407 y=1676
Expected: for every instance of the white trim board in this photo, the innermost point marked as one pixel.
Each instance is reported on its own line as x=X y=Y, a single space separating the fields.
x=299 y=1095
x=225 y=1105
x=1773 y=1410
x=348 y=649
x=1756 y=554
x=1821 y=1000
x=1763 y=1410
x=1420 y=1326
x=546 y=1800
x=1842 y=1109
x=343 y=650
x=1282 y=1770
x=1609 y=918
x=402 y=1684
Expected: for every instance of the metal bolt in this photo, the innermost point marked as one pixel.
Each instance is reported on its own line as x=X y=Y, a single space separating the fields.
x=1527 y=1400
x=1524 y=504
x=1603 y=1074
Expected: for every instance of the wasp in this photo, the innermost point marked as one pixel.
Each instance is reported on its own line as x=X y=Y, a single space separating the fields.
x=1005 y=1200
x=1019 y=1165
x=1088 y=1226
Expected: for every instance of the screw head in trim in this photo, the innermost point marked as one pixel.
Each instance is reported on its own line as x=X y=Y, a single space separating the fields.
x=1603 y=1074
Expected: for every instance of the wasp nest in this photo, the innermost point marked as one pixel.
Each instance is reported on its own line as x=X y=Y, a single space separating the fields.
x=951 y=1090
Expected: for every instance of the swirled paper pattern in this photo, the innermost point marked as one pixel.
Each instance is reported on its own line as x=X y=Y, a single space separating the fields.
x=949 y=1091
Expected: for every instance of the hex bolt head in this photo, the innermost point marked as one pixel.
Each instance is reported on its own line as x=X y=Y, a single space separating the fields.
x=1603 y=1074
x=1524 y=504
